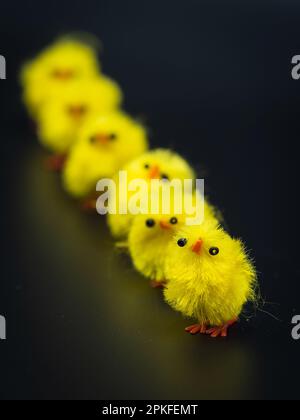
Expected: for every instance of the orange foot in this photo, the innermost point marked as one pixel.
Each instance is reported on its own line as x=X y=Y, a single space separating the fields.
x=55 y=163
x=157 y=284
x=197 y=328
x=89 y=205
x=221 y=331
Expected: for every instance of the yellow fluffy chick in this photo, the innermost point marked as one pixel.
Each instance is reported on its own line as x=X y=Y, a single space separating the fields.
x=156 y=164
x=149 y=237
x=104 y=145
x=210 y=278
x=63 y=115
x=54 y=68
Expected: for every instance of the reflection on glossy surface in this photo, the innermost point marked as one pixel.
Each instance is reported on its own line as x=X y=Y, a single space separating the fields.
x=80 y=322
x=94 y=327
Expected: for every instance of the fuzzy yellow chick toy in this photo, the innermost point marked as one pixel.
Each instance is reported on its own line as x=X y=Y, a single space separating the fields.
x=150 y=236
x=54 y=68
x=104 y=145
x=63 y=115
x=156 y=164
x=210 y=278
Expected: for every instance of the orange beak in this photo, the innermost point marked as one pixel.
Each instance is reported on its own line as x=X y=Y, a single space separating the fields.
x=101 y=139
x=154 y=172
x=63 y=74
x=164 y=225
x=77 y=111
x=197 y=246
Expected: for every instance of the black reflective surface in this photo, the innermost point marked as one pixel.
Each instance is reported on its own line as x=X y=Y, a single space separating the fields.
x=213 y=81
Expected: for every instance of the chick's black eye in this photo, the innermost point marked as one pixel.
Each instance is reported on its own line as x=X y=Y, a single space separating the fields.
x=165 y=177
x=214 y=251
x=182 y=242
x=112 y=136
x=174 y=221
x=150 y=223
x=147 y=166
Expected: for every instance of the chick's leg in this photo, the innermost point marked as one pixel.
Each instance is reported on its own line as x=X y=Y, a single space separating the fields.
x=89 y=205
x=55 y=162
x=155 y=284
x=196 y=328
x=221 y=331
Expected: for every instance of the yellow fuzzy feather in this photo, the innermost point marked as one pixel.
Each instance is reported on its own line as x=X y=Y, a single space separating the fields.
x=63 y=115
x=104 y=145
x=150 y=235
x=211 y=288
x=54 y=68
x=159 y=163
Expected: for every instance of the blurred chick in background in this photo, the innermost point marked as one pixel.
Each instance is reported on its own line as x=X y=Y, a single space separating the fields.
x=104 y=145
x=210 y=278
x=150 y=236
x=64 y=114
x=54 y=68
x=156 y=164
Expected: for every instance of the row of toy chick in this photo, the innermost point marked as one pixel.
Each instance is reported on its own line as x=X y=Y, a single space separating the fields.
x=205 y=273
x=78 y=117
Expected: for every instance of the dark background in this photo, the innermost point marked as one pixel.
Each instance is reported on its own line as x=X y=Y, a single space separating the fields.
x=213 y=80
